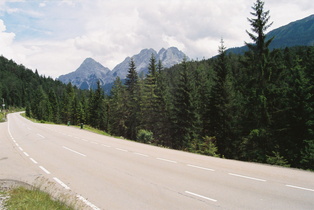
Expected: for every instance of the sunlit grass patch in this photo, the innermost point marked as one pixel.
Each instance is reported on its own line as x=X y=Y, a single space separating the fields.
x=33 y=199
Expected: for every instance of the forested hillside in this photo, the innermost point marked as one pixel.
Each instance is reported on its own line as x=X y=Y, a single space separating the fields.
x=298 y=33
x=253 y=107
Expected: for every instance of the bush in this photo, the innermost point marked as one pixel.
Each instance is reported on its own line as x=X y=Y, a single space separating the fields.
x=277 y=160
x=145 y=136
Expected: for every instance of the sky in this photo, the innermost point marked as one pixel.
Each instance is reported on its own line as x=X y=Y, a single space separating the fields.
x=55 y=36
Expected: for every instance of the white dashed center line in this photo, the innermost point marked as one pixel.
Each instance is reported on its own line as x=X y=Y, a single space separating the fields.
x=200 y=196
x=40 y=135
x=300 y=188
x=170 y=161
x=74 y=151
x=247 y=177
x=123 y=150
x=199 y=167
x=140 y=154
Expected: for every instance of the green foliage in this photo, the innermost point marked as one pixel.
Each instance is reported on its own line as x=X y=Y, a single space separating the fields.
x=308 y=155
x=276 y=159
x=21 y=198
x=145 y=136
x=206 y=147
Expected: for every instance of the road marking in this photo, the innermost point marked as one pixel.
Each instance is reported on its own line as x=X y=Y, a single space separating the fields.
x=201 y=196
x=21 y=149
x=170 y=161
x=40 y=135
x=247 y=177
x=45 y=170
x=106 y=145
x=300 y=188
x=27 y=155
x=34 y=161
x=88 y=203
x=17 y=144
x=61 y=183
x=199 y=167
x=123 y=150
x=140 y=154
x=94 y=142
x=74 y=151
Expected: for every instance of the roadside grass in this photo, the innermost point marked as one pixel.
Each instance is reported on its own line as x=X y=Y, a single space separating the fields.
x=34 y=199
x=43 y=195
x=2 y=117
x=85 y=127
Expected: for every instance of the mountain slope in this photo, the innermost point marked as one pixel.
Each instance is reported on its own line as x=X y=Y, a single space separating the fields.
x=90 y=71
x=87 y=75
x=297 y=33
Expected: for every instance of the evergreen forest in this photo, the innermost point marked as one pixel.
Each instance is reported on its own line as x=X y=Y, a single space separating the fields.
x=257 y=106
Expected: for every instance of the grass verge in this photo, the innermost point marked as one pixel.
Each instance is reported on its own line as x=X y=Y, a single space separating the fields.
x=2 y=117
x=22 y=198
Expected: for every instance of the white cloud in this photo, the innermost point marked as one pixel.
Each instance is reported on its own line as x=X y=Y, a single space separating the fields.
x=6 y=40
x=111 y=30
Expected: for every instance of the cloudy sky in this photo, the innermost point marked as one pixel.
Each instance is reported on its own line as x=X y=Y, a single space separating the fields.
x=55 y=36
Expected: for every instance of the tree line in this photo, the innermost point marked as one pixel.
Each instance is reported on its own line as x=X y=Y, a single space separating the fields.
x=254 y=107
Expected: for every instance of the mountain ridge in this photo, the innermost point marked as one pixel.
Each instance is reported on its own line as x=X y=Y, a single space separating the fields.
x=296 y=33
x=90 y=71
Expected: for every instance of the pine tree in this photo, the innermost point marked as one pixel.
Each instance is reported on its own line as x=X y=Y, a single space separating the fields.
x=97 y=108
x=118 y=109
x=149 y=99
x=133 y=105
x=184 y=111
x=258 y=79
x=162 y=124
x=220 y=117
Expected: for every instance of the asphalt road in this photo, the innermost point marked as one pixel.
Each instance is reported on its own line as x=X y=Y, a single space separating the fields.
x=109 y=173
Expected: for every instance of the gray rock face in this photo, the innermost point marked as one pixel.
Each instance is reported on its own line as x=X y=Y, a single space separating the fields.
x=90 y=71
x=87 y=75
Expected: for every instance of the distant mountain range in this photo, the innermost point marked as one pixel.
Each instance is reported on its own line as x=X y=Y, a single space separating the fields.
x=297 y=33
x=90 y=71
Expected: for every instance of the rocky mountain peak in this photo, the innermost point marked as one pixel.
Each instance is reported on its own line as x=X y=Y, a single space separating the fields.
x=90 y=71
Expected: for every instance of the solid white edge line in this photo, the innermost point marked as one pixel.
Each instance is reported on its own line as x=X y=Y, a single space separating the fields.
x=45 y=170
x=170 y=161
x=61 y=183
x=300 y=188
x=201 y=196
x=88 y=203
x=73 y=151
x=247 y=177
x=34 y=161
x=140 y=154
x=199 y=167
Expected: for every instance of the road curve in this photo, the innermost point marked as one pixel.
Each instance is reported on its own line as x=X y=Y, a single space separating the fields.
x=109 y=173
